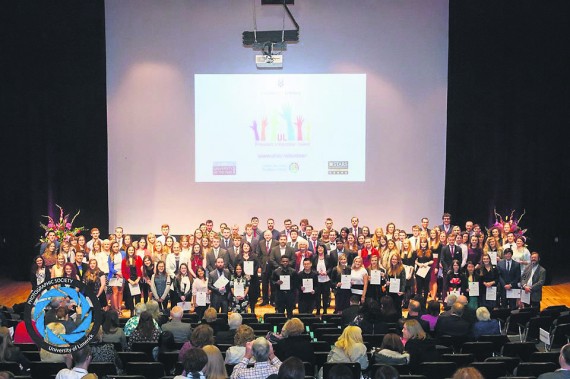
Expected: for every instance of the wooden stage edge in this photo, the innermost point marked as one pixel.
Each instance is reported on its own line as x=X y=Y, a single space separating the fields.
x=14 y=292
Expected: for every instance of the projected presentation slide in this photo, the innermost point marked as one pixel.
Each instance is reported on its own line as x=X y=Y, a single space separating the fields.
x=280 y=128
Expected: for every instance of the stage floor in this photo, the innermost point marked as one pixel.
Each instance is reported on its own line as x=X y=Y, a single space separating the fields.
x=14 y=292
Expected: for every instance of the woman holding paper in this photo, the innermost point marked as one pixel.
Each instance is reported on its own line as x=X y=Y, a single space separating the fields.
x=183 y=286
x=489 y=276
x=472 y=290
x=116 y=277
x=409 y=258
x=342 y=292
x=239 y=286
x=132 y=270
x=359 y=279
x=396 y=281
x=454 y=281
x=493 y=247
x=377 y=283
x=200 y=292
x=424 y=262
x=322 y=265
x=248 y=260
x=160 y=285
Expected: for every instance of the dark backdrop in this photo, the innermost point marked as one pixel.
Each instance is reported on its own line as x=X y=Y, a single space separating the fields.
x=508 y=107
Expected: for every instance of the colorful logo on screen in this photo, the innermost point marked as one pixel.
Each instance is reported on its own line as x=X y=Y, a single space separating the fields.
x=281 y=126
x=224 y=168
x=60 y=316
x=338 y=167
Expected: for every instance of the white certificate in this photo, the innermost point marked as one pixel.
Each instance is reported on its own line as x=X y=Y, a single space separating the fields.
x=525 y=297
x=308 y=285
x=455 y=292
x=239 y=290
x=248 y=267
x=394 y=285
x=493 y=256
x=201 y=299
x=135 y=289
x=513 y=293
x=345 y=282
x=491 y=294
x=375 y=276
x=115 y=282
x=473 y=288
x=422 y=271
x=185 y=305
x=435 y=256
x=221 y=282
x=286 y=285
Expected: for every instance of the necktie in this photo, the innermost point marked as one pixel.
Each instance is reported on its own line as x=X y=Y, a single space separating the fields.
x=81 y=270
x=508 y=266
x=267 y=248
x=451 y=247
x=177 y=264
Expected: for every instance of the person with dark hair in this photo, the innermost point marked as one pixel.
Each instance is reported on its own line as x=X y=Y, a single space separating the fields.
x=391 y=352
x=433 y=311
x=306 y=298
x=285 y=295
x=166 y=344
x=145 y=331
x=350 y=313
x=39 y=273
x=533 y=278
x=291 y=368
x=82 y=359
x=370 y=318
x=194 y=362
x=387 y=372
x=389 y=311
x=415 y=312
x=201 y=336
x=564 y=361
x=112 y=331
x=340 y=371
x=323 y=265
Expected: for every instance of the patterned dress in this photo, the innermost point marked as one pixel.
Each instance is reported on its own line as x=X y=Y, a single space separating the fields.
x=240 y=306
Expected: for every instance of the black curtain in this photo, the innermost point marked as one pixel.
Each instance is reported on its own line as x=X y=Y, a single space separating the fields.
x=508 y=109
x=53 y=115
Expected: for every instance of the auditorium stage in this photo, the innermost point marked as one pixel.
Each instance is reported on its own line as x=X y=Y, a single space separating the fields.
x=14 y=292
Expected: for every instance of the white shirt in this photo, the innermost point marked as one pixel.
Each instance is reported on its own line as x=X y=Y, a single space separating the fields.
x=162 y=238
x=74 y=373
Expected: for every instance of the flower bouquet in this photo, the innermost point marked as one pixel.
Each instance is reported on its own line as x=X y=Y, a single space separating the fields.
x=63 y=229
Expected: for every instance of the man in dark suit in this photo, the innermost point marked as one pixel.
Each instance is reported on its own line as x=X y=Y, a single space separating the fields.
x=351 y=312
x=216 y=253
x=564 y=361
x=334 y=254
x=220 y=293
x=227 y=336
x=226 y=240
x=313 y=241
x=263 y=254
x=294 y=241
x=249 y=237
x=414 y=310
x=354 y=228
x=454 y=325
x=180 y=330
x=449 y=253
x=509 y=278
x=235 y=249
x=287 y=231
x=281 y=250
x=533 y=279
x=446 y=223
x=80 y=267
x=285 y=297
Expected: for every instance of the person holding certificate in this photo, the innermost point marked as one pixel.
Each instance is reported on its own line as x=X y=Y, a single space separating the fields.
x=396 y=281
x=239 y=286
x=424 y=262
x=132 y=271
x=219 y=286
x=285 y=280
x=454 y=281
x=359 y=279
x=489 y=278
x=472 y=290
x=341 y=294
x=308 y=280
x=249 y=261
x=377 y=283
x=323 y=264
x=509 y=278
x=200 y=292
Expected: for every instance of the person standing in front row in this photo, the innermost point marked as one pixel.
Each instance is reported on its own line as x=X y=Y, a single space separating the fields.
x=285 y=292
x=220 y=288
x=533 y=279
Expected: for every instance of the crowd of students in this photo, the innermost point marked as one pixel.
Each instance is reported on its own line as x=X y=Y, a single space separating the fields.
x=299 y=267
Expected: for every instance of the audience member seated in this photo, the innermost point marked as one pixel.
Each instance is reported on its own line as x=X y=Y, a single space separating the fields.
x=420 y=347
x=293 y=344
x=391 y=352
x=82 y=360
x=211 y=319
x=104 y=352
x=485 y=325
x=46 y=356
x=370 y=318
x=166 y=344
x=449 y=301
x=349 y=348
x=215 y=368
x=227 y=336
x=433 y=310
x=112 y=332
x=564 y=360
x=468 y=312
x=21 y=334
x=453 y=325
x=291 y=368
x=349 y=314
x=235 y=353
x=146 y=331
x=134 y=320
x=153 y=308
x=179 y=329
x=386 y=372
x=414 y=310
x=6 y=375
x=9 y=352
x=266 y=363
x=467 y=373
x=196 y=360
x=201 y=336
x=389 y=312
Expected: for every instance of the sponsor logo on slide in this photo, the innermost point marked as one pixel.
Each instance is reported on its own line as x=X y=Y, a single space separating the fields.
x=280 y=126
x=338 y=167
x=294 y=167
x=224 y=168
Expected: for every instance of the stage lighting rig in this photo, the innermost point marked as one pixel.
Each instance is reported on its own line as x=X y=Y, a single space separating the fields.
x=271 y=43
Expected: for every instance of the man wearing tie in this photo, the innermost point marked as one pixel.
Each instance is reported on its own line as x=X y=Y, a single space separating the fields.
x=294 y=242
x=287 y=231
x=446 y=223
x=354 y=229
x=263 y=252
x=216 y=253
x=450 y=252
x=80 y=266
x=220 y=291
x=314 y=241
x=533 y=279
x=226 y=241
x=249 y=237
x=509 y=277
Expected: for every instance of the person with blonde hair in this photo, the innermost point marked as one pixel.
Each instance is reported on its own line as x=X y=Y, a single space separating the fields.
x=56 y=328
x=215 y=368
x=57 y=269
x=293 y=344
x=349 y=348
x=418 y=345
x=467 y=373
x=485 y=325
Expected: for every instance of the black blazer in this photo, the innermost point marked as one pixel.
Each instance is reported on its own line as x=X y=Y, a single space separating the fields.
x=512 y=277
x=295 y=346
x=421 y=351
x=84 y=268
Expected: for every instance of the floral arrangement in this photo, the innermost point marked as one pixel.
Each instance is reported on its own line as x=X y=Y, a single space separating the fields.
x=63 y=229
x=500 y=223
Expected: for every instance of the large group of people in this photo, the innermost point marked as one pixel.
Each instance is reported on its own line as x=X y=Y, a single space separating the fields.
x=300 y=267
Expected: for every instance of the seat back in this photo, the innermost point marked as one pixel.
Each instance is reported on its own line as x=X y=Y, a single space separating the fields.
x=481 y=350
x=498 y=341
x=151 y=370
x=353 y=366
x=102 y=368
x=545 y=356
x=523 y=350
x=491 y=370
x=44 y=370
x=461 y=360
x=13 y=367
x=437 y=370
x=510 y=362
x=535 y=368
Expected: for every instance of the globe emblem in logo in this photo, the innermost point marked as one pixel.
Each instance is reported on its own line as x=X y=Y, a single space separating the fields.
x=43 y=304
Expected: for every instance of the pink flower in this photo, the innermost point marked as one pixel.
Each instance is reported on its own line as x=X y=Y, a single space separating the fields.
x=68 y=225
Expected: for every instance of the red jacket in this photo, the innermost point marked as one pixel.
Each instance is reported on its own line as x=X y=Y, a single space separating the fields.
x=126 y=270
